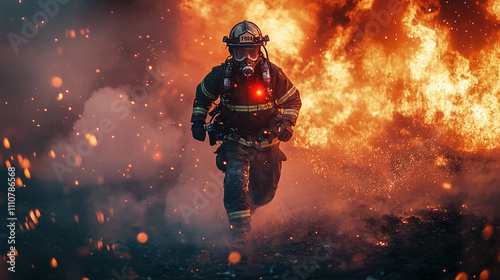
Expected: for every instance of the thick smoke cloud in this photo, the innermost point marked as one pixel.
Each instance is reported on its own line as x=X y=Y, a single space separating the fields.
x=113 y=139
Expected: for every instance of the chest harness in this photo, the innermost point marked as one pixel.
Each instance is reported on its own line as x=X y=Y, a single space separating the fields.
x=218 y=128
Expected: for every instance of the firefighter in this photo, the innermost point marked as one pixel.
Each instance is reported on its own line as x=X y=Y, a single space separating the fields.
x=257 y=109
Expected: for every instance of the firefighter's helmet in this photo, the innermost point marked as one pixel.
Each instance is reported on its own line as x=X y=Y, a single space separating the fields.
x=245 y=33
x=244 y=41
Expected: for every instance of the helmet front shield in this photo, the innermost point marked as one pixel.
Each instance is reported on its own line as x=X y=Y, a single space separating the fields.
x=250 y=52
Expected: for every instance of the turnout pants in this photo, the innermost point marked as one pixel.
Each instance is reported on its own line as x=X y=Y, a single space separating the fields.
x=251 y=178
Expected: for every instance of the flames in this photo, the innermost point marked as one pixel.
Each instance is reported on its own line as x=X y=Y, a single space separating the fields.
x=359 y=65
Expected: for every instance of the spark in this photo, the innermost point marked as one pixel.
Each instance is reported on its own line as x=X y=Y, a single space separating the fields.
x=53 y=263
x=27 y=173
x=447 y=186
x=33 y=217
x=6 y=143
x=100 y=217
x=91 y=139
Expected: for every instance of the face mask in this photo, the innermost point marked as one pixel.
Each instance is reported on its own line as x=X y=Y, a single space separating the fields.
x=246 y=58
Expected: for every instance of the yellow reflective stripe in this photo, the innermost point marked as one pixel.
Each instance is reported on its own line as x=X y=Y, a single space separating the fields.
x=292 y=112
x=199 y=110
x=205 y=91
x=285 y=97
x=249 y=108
x=239 y=214
x=261 y=145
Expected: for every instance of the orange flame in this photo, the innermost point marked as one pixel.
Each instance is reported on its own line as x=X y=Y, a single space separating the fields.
x=353 y=87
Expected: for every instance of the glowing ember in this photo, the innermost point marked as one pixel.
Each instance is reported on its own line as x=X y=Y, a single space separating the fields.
x=24 y=162
x=487 y=232
x=60 y=96
x=27 y=173
x=485 y=275
x=234 y=258
x=157 y=156
x=382 y=243
x=100 y=217
x=52 y=154
x=56 y=82
x=70 y=33
x=6 y=143
x=142 y=237
x=77 y=183
x=53 y=263
x=92 y=139
x=447 y=186
x=19 y=183
x=462 y=276
x=33 y=217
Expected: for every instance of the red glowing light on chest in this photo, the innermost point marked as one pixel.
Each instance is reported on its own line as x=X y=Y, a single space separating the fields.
x=256 y=90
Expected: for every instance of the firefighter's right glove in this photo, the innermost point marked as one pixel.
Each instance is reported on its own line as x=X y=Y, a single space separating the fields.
x=285 y=132
x=198 y=130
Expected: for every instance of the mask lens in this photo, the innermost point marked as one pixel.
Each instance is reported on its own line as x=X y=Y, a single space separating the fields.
x=252 y=53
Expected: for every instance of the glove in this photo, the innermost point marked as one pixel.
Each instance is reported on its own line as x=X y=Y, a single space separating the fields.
x=198 y=130
x=285 y=132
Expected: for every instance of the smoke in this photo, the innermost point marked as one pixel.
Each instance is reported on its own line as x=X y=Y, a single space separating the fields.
x=392 y=109
x=113 y=139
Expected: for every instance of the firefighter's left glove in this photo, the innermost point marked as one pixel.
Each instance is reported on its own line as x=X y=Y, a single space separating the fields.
x=285 y=132
x=198 y=130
